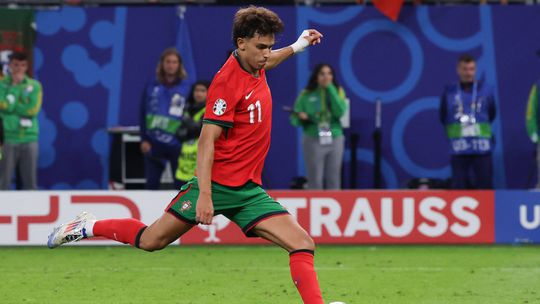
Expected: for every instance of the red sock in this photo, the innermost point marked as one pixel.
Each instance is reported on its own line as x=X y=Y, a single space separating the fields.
x=127 y=231
x=304 y=276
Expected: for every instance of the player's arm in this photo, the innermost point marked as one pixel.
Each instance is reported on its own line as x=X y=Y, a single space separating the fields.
x=205 y=159
x=307 y=38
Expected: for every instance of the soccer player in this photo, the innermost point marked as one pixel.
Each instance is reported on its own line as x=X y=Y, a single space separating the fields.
x=234 y=141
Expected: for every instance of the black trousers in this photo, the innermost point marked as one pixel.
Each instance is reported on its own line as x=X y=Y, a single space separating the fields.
x=472 y=171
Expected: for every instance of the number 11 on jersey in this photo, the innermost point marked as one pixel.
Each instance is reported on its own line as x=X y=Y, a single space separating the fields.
x=251 y=109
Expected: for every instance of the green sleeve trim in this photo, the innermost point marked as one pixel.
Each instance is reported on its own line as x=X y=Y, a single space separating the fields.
x=220 y=123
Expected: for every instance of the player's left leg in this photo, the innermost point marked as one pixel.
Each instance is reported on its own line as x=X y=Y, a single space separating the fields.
x=285 y=231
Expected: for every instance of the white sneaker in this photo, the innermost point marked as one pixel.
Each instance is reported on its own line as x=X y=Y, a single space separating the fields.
x=71 y=231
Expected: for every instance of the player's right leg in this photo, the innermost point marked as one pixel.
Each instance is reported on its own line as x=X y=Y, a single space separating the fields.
x=178 y=219
x=157 y=236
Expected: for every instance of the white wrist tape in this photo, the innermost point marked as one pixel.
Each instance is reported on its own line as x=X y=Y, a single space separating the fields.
x=301 y=43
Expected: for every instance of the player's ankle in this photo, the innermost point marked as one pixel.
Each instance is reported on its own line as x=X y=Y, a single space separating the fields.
x=88 y=230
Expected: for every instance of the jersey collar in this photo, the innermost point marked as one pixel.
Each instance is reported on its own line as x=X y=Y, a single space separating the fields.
x=237 y=57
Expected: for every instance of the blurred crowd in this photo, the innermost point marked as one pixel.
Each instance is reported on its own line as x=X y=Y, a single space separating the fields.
x=172 y=109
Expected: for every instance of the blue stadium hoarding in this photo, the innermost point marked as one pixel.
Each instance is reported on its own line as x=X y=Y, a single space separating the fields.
x=517 y=217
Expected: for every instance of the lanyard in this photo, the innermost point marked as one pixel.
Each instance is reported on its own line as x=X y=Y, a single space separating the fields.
x=324 y=104
x=460 y=98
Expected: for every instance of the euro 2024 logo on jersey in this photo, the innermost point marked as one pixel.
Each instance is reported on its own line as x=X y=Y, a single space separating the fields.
x=220 y=106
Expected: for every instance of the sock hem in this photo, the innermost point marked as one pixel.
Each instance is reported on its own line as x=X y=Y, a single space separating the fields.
x=138 y=237
x=312 y=252
x=88 y=229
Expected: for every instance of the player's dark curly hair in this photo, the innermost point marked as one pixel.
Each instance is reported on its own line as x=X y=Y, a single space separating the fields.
x=255 y=20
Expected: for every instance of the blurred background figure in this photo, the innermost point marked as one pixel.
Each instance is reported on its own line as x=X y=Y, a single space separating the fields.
x=318 y=110
x=20 y=103
x=162 y=109
x=467 y=110
x=533 y=121
x=190 y=129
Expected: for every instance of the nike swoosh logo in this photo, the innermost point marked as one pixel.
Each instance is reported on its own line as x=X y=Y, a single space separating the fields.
x=249 y=95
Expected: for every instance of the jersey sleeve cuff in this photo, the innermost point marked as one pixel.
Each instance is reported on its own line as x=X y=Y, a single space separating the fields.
x=225 y=124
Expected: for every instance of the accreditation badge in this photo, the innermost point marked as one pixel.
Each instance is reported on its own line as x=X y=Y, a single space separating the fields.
x=177 y=106
x=469 y=127
x=325 y=134
x=25 y=122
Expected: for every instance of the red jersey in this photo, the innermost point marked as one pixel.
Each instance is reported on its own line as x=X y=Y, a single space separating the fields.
x=242 y=104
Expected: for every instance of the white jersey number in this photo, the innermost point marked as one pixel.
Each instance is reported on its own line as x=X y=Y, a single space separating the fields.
x=251 y=109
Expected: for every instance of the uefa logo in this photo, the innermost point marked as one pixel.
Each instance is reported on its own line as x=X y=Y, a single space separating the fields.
x=220 y=106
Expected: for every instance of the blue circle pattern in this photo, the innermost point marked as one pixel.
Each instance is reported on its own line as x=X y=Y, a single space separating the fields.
x=72 y=56
x=76 y=60
x=61 y=186
x=38 y=59
x=71 y=19
x=336 y=18
x=362 y=91
x=423 y=104
x=367 y=156
x=102 y=34
x=107 y=76
x=100 y=143
x=450 y=44
x=47 y=137
x=74 y=115
x=87 y=184
x=87 y=73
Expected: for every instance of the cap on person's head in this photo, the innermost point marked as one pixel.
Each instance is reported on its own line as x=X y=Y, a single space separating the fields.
x=20 y=56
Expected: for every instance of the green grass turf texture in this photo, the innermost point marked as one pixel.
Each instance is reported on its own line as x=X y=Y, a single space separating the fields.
x=260 y=274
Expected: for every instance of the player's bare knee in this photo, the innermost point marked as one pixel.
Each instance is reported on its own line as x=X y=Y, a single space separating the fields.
x=305 y=243
x=152 y=245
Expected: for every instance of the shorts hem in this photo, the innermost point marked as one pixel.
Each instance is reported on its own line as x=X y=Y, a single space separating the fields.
x=248 y=228
x=181 y=217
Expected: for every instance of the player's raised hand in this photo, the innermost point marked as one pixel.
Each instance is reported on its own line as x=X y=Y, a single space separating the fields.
x=307 y=38
x=313 y=37
x=204 y=210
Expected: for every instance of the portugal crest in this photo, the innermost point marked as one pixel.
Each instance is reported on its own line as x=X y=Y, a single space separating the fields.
x=220 y=106
x=186 y=205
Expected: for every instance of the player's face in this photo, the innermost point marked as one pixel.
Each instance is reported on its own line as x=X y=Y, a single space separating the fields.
x=325 y=76
x=199 y=93
x=18 y=67
x=171 y=65
x=466 y=71
x=256 y=50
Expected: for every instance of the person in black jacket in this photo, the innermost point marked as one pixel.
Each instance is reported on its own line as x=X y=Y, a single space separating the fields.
x=190 y=129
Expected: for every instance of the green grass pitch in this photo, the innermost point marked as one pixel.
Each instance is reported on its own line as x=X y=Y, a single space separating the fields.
x=260 y=274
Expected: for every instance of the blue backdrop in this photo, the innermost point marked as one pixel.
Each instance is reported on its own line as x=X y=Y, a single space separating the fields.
x=94 y=62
